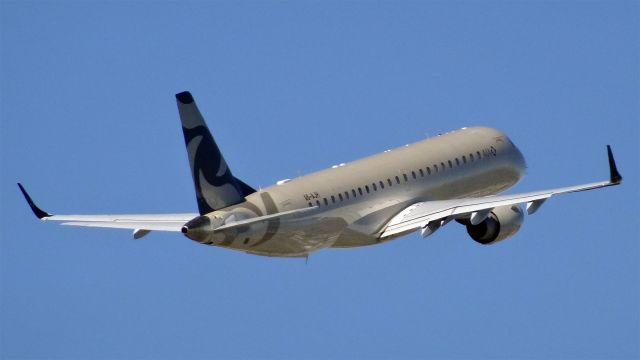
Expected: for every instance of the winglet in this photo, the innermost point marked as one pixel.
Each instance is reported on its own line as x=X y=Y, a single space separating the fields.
x=36 y=210
x=614 y=175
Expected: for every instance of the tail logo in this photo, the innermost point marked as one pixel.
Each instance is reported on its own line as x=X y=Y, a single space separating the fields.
x=216 y=187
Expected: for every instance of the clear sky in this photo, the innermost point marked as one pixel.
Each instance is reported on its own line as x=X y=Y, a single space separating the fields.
x=89 y=125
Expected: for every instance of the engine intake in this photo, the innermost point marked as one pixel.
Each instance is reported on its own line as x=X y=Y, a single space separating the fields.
x=501 y=223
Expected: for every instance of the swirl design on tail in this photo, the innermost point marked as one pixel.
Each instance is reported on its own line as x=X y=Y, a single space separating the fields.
x=215 y=185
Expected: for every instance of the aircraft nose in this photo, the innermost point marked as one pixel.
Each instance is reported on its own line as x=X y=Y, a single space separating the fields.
x=198 y=228
x=521 y=163
x=521 y=159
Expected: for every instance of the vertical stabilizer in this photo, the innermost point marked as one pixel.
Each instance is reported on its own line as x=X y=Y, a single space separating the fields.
x=216 y=187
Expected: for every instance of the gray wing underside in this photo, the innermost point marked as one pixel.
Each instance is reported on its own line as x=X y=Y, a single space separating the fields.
x=138 y=222
x=157 y=222
x=421 y=214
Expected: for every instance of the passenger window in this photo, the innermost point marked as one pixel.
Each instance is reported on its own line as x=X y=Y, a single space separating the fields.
x=367 y=188
x=435 y=166
x=442 y=166
x=318 y=202
x=360 y=191
x=389 y=182
x=398 y=180
x=340 y=197
x=326 y=202
x=428 y=170
x=413 y=173
x=421 y=173
x=450 y=164
x=310 y=204
x=381 y=185
x=353 y=191
x=346 y=194
x=479 y=156
x=457 y=162
x=333 y=199
x=471 y=157
x=464 y=159
x=375 y=188
x=405 y=177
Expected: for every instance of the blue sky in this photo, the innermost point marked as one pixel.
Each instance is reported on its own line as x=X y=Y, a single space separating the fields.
x=89 y=125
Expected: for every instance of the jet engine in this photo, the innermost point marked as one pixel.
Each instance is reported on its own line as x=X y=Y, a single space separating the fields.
x=501 y=223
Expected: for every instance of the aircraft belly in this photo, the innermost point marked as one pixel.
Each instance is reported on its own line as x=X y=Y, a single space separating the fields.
x=295 y=239
x=351 y=238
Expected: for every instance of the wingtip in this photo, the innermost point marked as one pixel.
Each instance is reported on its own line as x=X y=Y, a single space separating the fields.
x=184 y=97
x=614 y=175
x=36 y=210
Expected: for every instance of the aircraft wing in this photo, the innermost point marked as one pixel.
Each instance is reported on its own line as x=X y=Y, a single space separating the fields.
x=141 y=223
x=422 y=214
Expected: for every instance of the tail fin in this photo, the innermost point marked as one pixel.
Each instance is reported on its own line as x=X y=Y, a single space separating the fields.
x=216 y=187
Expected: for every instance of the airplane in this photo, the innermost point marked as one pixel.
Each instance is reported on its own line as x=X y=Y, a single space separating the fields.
x=421 y=186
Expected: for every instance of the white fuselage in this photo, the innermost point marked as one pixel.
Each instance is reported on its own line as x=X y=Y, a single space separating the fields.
x=352 y=202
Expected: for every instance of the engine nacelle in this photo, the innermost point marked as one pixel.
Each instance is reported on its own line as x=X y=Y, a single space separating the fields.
x=502 y=222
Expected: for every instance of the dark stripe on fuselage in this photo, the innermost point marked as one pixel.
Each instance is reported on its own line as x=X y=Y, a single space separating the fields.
x=251 y=207
x=272 y=225
x=230 y=236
